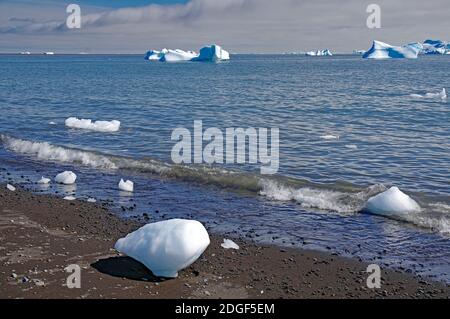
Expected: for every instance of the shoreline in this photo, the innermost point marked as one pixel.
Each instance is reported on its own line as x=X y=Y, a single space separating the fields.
x=43 y=234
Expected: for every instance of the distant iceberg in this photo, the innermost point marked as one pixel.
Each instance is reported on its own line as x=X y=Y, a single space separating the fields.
x=325 y=52
x=381 y=50
x=213 y=53
x=435 y=47
x=441 y=95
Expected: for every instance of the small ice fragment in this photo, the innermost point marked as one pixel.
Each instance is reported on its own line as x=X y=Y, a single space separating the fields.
x=351 y=146
x=229 y=244
x=166 y=247
x=87 y=124
x=392 y=202
x=44 y=180
x=52 y=123
x=127 y=186
x=69 y=198
x=10 y=187
x=330 y=137
x=67 y=178
x=91 y=200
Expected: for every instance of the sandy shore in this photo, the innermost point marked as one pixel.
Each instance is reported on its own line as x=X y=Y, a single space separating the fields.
x=41 y=235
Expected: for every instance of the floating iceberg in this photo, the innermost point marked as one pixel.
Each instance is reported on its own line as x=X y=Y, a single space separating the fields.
x=126 y=186
x=229 y=244
x=435 y=47
x=325 y=52
x=166 y=247
x=99 y=126
x=214 y=53
x=441 y=95
x=44 y=180
x=391 y=203
x=10 y=187
x=381 y=50
x=67 y=178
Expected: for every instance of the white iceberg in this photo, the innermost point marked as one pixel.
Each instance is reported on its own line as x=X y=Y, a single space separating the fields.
x=127 y=186
x=381 y=50
x=229 y=244
x=325 y=52
x=166 y=247
x=391 y=203
x=66 y=178
x=99 y=126
x=10 y=187
x=44 y=180
x=213 y=53
x=441 y=95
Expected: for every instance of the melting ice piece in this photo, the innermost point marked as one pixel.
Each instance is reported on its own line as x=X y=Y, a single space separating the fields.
x=127 y=186
x=99 y=126
x=392 y=202
x=166 y=247
x=69 y=198
x=381 y=50
x=441 y=95
x=44 y=180
x=352 y=146
x=229 y=244
x=330 y=137
x=67 y=178
x=10 y=187
x=91 y=200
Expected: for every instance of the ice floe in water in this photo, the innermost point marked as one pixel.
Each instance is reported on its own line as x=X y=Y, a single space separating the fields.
x=127 y=186
x=435 y=47
x=98 y=126
x=166 y=247
x=229 y=244
x=352 y=146
x=325 y=52
x=330 y=137
x=66 y=178
x=213 y=53
x=91 y=200
x=392 y=202
x=440 y=95
x=43 y=180
x=10 y=187
x=69 y=198
x=381 y=50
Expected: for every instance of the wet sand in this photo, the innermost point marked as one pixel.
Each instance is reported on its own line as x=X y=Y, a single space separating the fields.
x=40 y=235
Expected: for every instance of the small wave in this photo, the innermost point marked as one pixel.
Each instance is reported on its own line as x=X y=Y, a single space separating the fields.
x=98 y=126
x=441 y=95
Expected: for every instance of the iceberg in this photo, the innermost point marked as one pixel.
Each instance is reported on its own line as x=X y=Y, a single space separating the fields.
x=67 y=178
x=325 y=52
x=127 y=186
x=441 y=95
x=99 y=126
x=435 y=47
x=166 y=247
x=213 y=53
x=392 y=202
x=381 y=50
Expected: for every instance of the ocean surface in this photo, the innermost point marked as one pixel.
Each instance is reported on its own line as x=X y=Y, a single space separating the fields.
x=384 y=137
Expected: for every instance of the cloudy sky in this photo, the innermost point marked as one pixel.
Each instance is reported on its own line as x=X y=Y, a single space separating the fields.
x=241 y=26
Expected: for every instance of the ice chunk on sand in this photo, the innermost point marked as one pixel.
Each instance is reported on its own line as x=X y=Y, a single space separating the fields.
x=10 y=187
x=213 y=53
x=91 y=200
x=441 y=95
x=166 y=247
x=229 y=244
x=99 y=126
x=127 y=186
x=69 y=198
x=381 y=50
x=67 y=178
x=391 y=202
x=44 y=180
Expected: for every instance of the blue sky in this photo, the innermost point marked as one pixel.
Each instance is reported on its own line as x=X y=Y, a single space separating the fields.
x=260 y=26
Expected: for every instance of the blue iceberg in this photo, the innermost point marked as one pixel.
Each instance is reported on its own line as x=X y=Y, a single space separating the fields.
x=213 y=53
x=435 y=47
x=381 y=50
